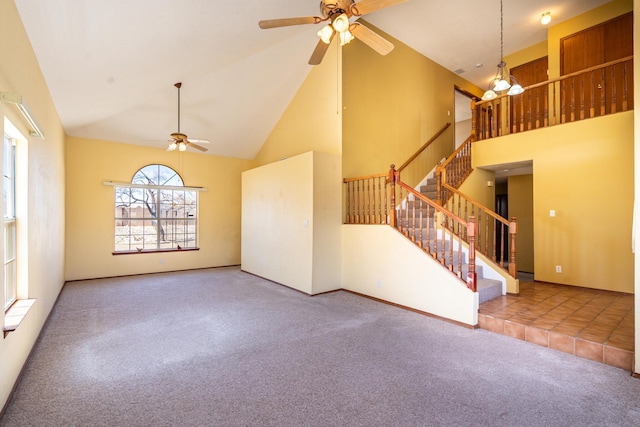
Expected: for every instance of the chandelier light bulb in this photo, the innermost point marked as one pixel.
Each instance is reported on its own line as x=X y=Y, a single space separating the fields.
x=172 y=146
x=501 y=85
x=182 y=147
x=489 y=94
x=516 y=89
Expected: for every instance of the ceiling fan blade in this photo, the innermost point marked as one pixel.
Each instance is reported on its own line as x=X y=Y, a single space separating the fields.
x=320 y=51
x=285 y=22
x=199 y=141
x=371 y=38
x=196 y=146
x=367 y=6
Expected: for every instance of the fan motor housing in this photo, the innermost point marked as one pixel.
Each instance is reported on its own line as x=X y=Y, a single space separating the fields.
x=329 y=8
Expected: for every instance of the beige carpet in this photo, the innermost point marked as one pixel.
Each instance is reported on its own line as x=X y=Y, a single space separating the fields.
x=220 y=347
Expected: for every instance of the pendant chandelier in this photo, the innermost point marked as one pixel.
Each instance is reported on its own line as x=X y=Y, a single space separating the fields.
x=502 y=81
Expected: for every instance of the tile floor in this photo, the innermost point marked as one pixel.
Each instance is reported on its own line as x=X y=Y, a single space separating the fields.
x=588 y=323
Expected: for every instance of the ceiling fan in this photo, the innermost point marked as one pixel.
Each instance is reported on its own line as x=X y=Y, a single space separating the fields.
x=338 y=12
x=179 y=140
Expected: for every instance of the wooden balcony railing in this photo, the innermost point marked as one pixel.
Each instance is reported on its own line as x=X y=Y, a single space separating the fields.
x=593 y=92
x=367 y=200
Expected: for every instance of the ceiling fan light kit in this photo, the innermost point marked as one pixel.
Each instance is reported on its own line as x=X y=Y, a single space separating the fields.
x=179 y=140
x=503 y=80
x=338 y=13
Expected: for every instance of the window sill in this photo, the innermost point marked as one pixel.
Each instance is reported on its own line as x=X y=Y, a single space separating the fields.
x=154 y=251
x=16 y=313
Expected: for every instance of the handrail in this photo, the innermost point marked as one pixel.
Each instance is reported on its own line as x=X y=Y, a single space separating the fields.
x=456 y=173
x=371 y=199
x=563 y=77
x=495 y=243
x=593 y=92
x=455 y=153
x=365 y=177
x=453 y=228
x=421 y=149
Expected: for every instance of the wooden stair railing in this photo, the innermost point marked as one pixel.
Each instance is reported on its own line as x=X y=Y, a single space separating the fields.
x=378 y=199
x=495 y=237
x=433 y=228
x=593 y=92
x=366 y=201
x=492 y=239
x=455 y=169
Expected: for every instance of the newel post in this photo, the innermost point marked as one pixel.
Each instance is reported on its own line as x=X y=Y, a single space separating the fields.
x=474 y=120
x=392 y=182
x=471 y=235
x=513 y=230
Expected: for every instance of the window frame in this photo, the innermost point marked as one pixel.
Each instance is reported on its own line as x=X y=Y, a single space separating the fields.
x=154 y=200
x=10 y=224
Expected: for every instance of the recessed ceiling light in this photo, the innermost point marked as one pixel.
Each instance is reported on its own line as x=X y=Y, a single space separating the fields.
x=479 y=65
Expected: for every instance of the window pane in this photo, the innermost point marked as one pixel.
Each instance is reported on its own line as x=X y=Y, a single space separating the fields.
x=9 y=241
x=9 y=178
x=10 y=290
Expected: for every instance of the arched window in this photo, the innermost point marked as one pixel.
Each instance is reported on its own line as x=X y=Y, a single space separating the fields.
x=155 y=212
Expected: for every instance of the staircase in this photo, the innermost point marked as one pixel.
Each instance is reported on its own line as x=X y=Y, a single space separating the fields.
x=426 y=237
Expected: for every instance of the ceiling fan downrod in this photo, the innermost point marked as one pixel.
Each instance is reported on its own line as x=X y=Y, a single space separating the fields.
x=178 y=85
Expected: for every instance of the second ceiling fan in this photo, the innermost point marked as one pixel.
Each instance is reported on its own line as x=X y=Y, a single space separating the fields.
x=338 y=13
x=179 y=140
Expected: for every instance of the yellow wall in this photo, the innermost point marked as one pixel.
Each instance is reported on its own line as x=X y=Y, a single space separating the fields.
x=520 y=191
x=529 y=54
x=476 y=187
x=636 y=180
x=579 y=169
x=393 y=104
x=90 y=208
x=291 y=222
x=41 y=193
x=313 y=120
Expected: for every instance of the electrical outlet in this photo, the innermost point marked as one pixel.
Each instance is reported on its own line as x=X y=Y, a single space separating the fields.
x=379 y=284
x=558 y=269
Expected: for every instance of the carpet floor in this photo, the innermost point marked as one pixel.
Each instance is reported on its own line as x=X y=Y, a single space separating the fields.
x=220 y=347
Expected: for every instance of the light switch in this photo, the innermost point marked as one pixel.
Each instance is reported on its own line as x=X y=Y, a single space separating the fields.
x=552 y=212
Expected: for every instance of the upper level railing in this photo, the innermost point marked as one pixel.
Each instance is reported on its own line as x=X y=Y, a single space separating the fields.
x=593 y=92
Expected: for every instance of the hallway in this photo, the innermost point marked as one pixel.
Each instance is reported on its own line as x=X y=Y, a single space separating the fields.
x=589 y=323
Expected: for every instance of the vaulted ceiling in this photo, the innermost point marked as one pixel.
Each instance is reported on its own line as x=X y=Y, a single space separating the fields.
x=111 y=65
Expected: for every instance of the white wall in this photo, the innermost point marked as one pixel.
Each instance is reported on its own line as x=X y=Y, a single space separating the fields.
x=381 y=263
x=327 y=222
x=291 y=219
